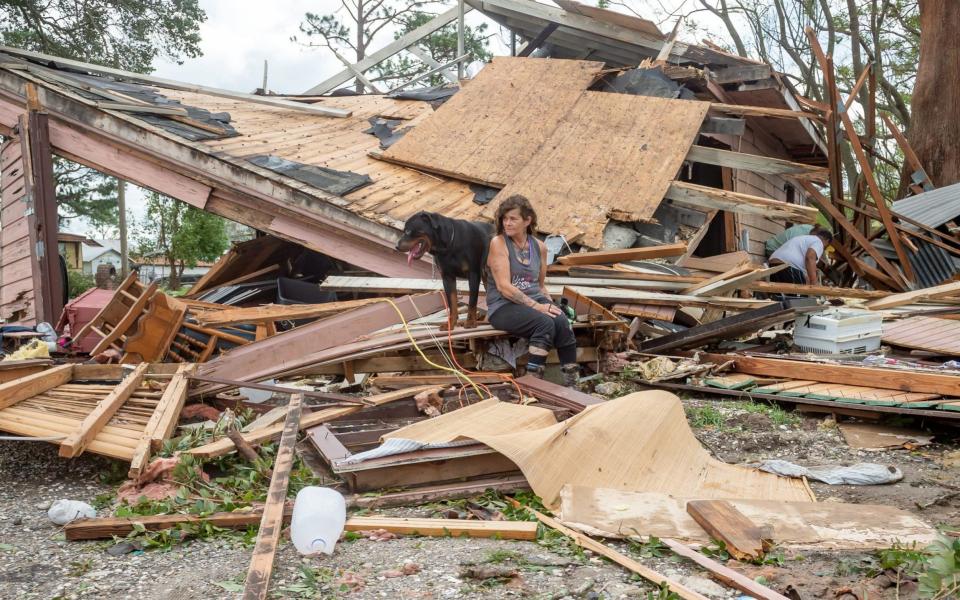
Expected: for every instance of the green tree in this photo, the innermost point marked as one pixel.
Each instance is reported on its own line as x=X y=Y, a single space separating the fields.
x=441 y=45
x=180 y=234
x=124 y=34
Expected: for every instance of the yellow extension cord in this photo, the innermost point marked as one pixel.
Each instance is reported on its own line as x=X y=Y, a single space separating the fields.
x=416 y=346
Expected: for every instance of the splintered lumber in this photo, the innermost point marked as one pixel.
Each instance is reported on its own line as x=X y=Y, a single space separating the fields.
x=762 y=111
x=738 y=282
x=939 y=291
x=755 y=163
x=746 y=322
x=723 y=522
x=886 y=378
x=621 y=559
x=277 y=312
x=740 y=269
x=603 y=257
x=261 y=565
x=699 y=196
x=94 y=529
x=724 y=575
x=163 y=421
x=301 y=346
x=14 y=391
x=225 y=446
x=76 y=442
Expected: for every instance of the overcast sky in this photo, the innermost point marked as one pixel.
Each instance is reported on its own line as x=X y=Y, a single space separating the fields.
x=239 y=35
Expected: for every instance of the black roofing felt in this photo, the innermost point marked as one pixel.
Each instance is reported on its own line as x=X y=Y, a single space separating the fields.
x=329 y=180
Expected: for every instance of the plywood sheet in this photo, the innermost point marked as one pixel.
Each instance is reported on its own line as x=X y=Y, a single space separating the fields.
x=823 y=524
x=610 y=151
x=640 y=442
x=941 y=336
x=490 y=417
x=493 y=126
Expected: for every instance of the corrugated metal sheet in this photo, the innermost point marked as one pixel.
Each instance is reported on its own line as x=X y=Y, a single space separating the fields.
x=932 y=264
x=933 y=208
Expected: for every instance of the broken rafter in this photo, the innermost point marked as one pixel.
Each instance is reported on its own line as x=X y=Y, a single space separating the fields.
x=756 y=163
x=699 y=196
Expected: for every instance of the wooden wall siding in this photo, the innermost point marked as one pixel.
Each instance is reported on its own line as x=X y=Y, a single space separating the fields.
x=16 y=276
x=489 y=130
x=759 y=228
x=610 y=151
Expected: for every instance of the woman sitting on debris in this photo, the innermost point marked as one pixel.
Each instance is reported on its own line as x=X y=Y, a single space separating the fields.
x=517 y=301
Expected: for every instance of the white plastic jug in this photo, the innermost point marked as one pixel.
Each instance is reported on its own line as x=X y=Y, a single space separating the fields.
x=318 y=517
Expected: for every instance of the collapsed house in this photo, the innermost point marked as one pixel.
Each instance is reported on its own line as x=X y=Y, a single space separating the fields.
x=666 y=165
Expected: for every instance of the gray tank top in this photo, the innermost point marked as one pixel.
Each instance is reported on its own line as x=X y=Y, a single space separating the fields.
x=525 y=278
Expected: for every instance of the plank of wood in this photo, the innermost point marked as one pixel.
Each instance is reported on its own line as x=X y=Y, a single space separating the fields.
x=608 y=151
x=92 y=529
x=645 y=311
x=225 y=446
x=755 y=163
x=162 y=420
x=603 y=257
x=699 y=196
x=724 y=574
x=490 y=129
x=762 y=111
x=737 y=282
x=76 y=442
x=915 y=296
x=508 y=530
x=716 y=264
x=16 y=390
x=886 y=378
x=403 y=381
x=268 y=536
x=740 y=269
x=723 y=522
x=621 y=559
x=277 y=312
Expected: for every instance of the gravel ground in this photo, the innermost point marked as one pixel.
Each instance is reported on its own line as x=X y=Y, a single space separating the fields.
x=36 y=561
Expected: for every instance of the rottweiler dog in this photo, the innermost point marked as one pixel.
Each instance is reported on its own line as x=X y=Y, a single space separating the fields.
x=459 y=249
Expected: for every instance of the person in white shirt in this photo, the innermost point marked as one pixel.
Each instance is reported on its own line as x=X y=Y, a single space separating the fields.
x=801 y=255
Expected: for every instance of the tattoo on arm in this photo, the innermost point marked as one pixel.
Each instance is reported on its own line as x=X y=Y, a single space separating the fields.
x=521 y=298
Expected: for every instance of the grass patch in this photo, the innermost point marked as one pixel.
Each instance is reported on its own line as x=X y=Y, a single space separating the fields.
x=775 y=412
x=701 y=417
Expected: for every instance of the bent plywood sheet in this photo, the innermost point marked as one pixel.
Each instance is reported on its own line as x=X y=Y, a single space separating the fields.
x=497 y=122
x=640 y=442
x=610 y=151
x=617 y=513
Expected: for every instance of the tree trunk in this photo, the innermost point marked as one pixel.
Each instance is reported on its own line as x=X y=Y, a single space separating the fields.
x=934 y=128
x=173 y=282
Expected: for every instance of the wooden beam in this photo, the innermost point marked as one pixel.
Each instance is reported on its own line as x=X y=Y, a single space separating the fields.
x=745 y=267
x=31 y=385
x=756 y=163
x=356 y=72
x=866 y=169
x=741 y=74
x=724 y=575
x=93 y=529
x=225 y=446
x=722 y=521
x=375 y=58
x=738 y=282
x=817 y=198
x=940 y=291
x=162 y=421
x=621 y=559
x=602 y=257
x=277 y=312
x=538 y=41
x=893 y=379
x=261 y=565
x=76 y=442
x=428 y=60
x=761 y=111
x=912 y=159
x=856 y=87
x=699 y=196
x=507 y=530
